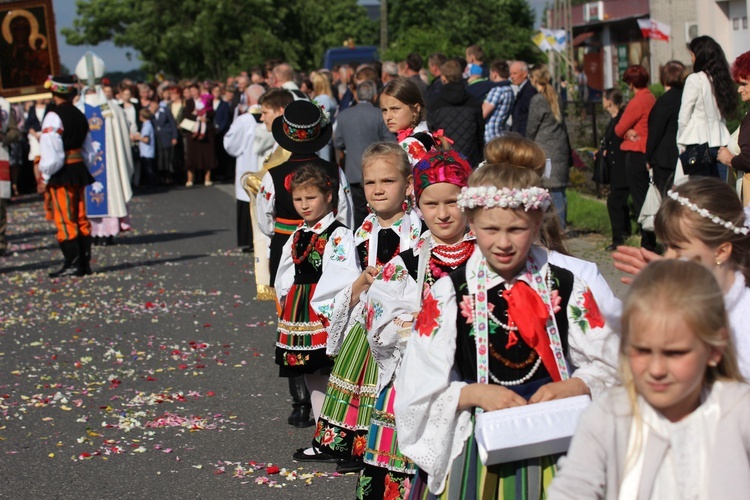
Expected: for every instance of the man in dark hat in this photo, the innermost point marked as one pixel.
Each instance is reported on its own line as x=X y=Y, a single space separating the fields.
x=66 y=149
x=303 y=129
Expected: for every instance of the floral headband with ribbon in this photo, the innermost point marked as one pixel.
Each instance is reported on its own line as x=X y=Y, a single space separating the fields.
x=441 y=166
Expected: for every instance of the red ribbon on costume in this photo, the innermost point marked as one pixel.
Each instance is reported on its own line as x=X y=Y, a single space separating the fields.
x=527 y=310
x=403 y=134
x=440 y=134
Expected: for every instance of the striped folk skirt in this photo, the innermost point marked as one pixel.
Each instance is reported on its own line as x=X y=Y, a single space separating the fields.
x=350 y=398
x=301 y=340
x=387 y=473
x=468 y=479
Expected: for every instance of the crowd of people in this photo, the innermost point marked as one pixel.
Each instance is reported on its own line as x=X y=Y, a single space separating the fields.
x=414 y=242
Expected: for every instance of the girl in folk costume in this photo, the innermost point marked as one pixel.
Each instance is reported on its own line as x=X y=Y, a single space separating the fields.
x=514 y=151
x=703 y=220
x=391 y=228
x=678 y=428
x=317 y=243
x=404 y=114
x=393 y=301
x=508 y=330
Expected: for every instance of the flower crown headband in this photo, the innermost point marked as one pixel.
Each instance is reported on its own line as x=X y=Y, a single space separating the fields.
x=533 y=198
x=744 y=230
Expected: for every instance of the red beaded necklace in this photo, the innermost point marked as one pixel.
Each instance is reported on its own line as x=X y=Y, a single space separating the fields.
x=310 y=246
x=449 y=255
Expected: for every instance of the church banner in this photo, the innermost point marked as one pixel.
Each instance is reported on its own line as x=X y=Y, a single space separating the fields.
x=96 y=193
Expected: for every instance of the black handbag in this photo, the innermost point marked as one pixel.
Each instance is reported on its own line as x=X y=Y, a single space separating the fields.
x=697 y=160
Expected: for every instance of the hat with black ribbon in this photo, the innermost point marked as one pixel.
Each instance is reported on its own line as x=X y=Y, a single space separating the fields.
x=303 y=128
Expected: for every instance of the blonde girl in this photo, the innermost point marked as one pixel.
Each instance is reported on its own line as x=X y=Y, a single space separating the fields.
x=395 y=300
x=514 y=151
x=488 y=338
x=392 y=228
x=678 y=427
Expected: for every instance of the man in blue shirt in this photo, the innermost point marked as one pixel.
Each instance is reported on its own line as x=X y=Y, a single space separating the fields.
x=498 y=104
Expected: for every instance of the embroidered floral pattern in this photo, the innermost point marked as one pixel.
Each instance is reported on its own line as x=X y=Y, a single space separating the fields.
x=586 y=312
x=393 y=272
x=427 y=323
x=374 y=311
x=339 y=252
x=363 y=233
x=264 y=193
x=396 y=488
x=359 y=446
x=291 y=359
x=415 y=149
x=332 y=437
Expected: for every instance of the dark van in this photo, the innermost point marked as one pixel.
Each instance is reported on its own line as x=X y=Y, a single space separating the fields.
x=344 y=55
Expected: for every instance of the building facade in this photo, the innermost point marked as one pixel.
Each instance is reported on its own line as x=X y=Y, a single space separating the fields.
x=607 y=38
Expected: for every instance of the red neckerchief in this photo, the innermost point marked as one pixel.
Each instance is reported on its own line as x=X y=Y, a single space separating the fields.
x=527 y=311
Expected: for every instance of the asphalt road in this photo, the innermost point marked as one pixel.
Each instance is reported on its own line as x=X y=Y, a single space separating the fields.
x=152 y=378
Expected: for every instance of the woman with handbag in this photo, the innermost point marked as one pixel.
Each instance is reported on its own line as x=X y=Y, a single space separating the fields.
x=741 y=161
x=613 y=160
x=708 y=99
x=633 y=128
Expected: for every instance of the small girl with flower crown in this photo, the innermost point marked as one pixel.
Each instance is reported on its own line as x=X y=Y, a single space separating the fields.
x=318 y=243
x=509 y=329
x=703 y=220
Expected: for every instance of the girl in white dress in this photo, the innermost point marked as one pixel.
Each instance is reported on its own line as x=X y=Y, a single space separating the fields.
x=679 y=428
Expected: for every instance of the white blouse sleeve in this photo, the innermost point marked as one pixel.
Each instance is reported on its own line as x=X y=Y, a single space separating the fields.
x=51 y=146
x=593 y=346
x=431 y=429
x=345 y=214
x=285 y=271
x=265 y=210
x=393 y=295
x=333 y=292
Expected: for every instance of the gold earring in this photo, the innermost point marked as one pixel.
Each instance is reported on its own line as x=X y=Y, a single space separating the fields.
x=713 y=364
x=718 y=263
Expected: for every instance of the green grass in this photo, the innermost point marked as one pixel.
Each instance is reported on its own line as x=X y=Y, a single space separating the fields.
x=587 y=214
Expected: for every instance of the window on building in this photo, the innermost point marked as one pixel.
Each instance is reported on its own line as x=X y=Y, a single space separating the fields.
x=744 y=23
x=736 y=23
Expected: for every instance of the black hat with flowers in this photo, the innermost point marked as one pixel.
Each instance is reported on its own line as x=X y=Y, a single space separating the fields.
x=65 y=85
x=303 y=128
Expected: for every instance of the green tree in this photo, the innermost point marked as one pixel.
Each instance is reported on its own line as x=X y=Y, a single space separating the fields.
x=503 y=28
x=213 y=38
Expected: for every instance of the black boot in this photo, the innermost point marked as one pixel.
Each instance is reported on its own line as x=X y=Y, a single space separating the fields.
x=72 y=255
x=85 y=262
x=300 y=416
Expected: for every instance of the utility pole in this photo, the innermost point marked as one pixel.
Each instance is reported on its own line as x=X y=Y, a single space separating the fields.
x=383 y=27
